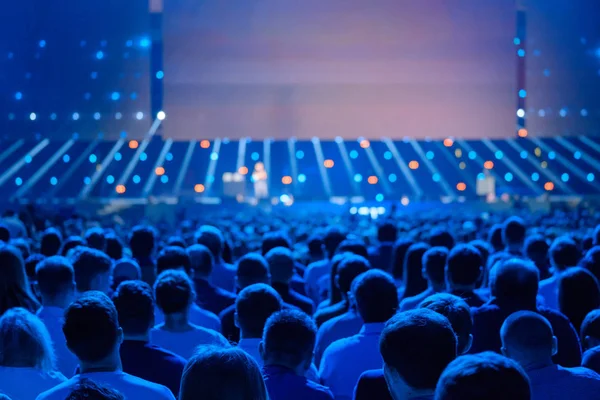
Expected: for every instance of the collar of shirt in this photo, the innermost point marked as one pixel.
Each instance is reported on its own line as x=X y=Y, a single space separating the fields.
x=372 y=328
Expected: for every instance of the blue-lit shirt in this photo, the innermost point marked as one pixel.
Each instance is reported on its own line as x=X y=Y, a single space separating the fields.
x=345 y=360
x=198 y=316
x=223 y=276
x=313 y=273
x=337 y=328
x=557 y=383
x=283 y=384
x=53 y=318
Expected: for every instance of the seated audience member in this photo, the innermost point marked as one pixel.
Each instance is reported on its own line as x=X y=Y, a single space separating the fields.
x=176 y=241
x=4 y=233
x=93 y=334
x=174 y=295
x=456 y=310
x=591 y=261
x=114 y=247
x=487 y=375
x=328 y=284
x=414 y=283
x=591 y=359
x=31 y=264
x=399 y=255
x=281 y=267
x=56 y=288
x=441 y=238
x=15 y=290
x=434 y=266
x=141 y=243
x=95 y=239
x=92 y=270
x=590 y=330
x=495 y=237
x=537 y=250
x=71 y=243
x=51 y=242
x=578 y=294
x=513 y=236
x=209 y=297
x=23 y=246
x=349 y=268
x=514 y=286
x=317 y=269
x=528 y=339
x=287 y=351
x=380 y=256
x=251 y=269
x=272 y=240
x=26 y=356
x=217 y=373
x=135 y=306
x=89 y=390
x=416 y=346
x=314 y=245
x=346 y=359
x=125 y=270
x=223 y=274
x=463 y=271
x=173 y=257
x=563 y=254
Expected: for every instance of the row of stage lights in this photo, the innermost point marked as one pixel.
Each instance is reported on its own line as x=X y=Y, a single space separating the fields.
x=97 y=116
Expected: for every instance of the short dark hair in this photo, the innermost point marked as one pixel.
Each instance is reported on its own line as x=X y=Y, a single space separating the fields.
x=4 y=233
x=315 y=244
x=591 y=261
x=441 y=237
x=173 y=291
x=114 y=246
x=515 y=281
x=418 y=345
x=275 y=239
x=485 y=375
x=399 y=256
x=135 y=304
x=212 y=238
x=376 y=296
x=527 y=331
x=173 y=257
x=434 y=264
x=201 y=259
x=536 y=246
x=281 y=264
x=86 y=389
x=464 y=265
x=31 y=264
x=95 y=239
x=23 y=245
x=71 y=243
x=387 y=232
x=221 y=373
x=485 y=249
x=176 y=241
x=54 y=275
x=254 y=305
x=591 y=359
x=578 y=294
x=289 y=335
x=252 y=268
x=91 y=326
x=597 y=235
x=332 y=239
x=495 y=236
x=458 y=313
x=513 y=231
x=87 y=264
x=51 y=242
x=591 y=325
x=141 y=241
x=564 y=253
x=349 y=268
x=353 y=246
x=414 y=281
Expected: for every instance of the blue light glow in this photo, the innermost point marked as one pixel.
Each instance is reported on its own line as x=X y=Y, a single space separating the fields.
x=42 y=43
x=284 y=198
x=387 y=155
x=429 y=155
x=299 y=154
x=160 y=74
x=53 y=181
x=542 y=113
x=110 y=179
x=53 y=116
x=551 y=155
x=18 y=181
x=508 y=177
x=100 y=55
x=472 y=155
x=164 y=179
x=93 y=158
x=392 y=178
x=379 y=197
x=498 y=154
x=301 y=178
x=584 y=113
x=87 y=180
x=523 y=154
x=521 y=53
x=169 y=157
x=563 y=112
x=133 y=96
x=75 y=116
x=118 y=156
x=123 y=134
x=211 y=179
x=255 y=156
x=591 y=177
x=66 y=158
x=547 y=73
x=143 y=156
x=436 y=177
x=139 y=115
x=129 y=43
x=535 y=177
x=577 y=155
x=32 y=116
x=358 y=178
x=145 y=42
x=97 y=116
x=18 y=96
x=115 y=96
x=481 y=176
x=522 y=93
x=214 y=156
x=517 y=41
x=28 y=158
x=564 y=177
x=136 y=179
x=354 y=154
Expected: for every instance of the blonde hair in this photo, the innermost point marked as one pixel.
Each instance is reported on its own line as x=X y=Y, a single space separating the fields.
x=25 y=341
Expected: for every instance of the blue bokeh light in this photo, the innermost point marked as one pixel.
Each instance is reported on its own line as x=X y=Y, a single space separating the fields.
x=99 y=54
x=214 y=156
x=379 y=197
x=53 y=181
x=93 y=158
x=145 y=42
x=552 y=155
x=472 y=155
x=436 y=177
x=255 y=156
x=136 y=179
x=110 y=179
x=87 y=180
x=18 y=181
x=429 y=155
x=577 y=155
x=392 y=178
x=481 y=176
x=508 y=177
x=590 y=177
x=523 y=154
x=521 y=53
x=535 y=177
x=143 y=156
x=42 y=43
x=18 y=96
x=522 y=93
x=517 y=41
x=301 y=178
x=564 y=177
x=358 y=178
x=66 y=158
x=118 y=156
x=115 y=96
x=164 y=179
x=354 y=154
x=299 y=154
x=499 y=154
x=169 y=157
x=28 y=159
x=75 y=116
x=387 y=155
x=160 y=74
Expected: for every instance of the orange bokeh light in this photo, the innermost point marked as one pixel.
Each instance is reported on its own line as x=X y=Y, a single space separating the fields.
x=205 y=144
x=448 y=142
x=413 y=164
x=328 y=163
x=461 y=186
x=160 y=171
x=522 y=133
x=488 y=165
x=243 y=170
x=133 y=144
x=365 y=144
x=199 y=188
x=549 y=186
x=373 y=180
x=286 y=180
x=120 y=189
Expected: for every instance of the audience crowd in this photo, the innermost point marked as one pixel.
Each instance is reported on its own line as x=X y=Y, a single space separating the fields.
x=258 y=305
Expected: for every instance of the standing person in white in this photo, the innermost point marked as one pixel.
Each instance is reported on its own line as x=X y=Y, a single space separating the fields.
x=259 y=177
x=93 y=334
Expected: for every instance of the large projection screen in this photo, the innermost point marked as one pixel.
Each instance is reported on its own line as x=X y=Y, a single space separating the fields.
x=349 y=68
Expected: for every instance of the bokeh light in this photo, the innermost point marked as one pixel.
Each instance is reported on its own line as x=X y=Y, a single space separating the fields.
x=199 y=188
x=243 y=170
x=522 y=133
x=448 y=142
x=133 y=144
x=549 y=186
x=358 y=178
x=372 y=180
x=328 y=163
x=159 y=171
x=120 y=189
x=205 y=144
x=286 y=180
x=458 y=153
x=462 y=165
x=413 y=164
x=461 y=186
x=488 y=165
x=365 y=144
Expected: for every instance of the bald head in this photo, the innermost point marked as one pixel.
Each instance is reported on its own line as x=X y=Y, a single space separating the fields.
x=527 y=338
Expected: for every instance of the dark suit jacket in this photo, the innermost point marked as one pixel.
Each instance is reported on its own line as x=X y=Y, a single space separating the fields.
x=371 y=385
x=212 y=298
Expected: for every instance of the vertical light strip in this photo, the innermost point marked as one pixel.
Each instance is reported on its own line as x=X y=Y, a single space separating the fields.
x=241 y=156
x=107 y=160
x=403 y=167
x=212 y=165
x=17 y=166
x=320 y=160
x=184 y=167
x=159 y=163
x=349 y=167
x=379 y=171
x=74 y=167
x=293 y=162
x=267 y=161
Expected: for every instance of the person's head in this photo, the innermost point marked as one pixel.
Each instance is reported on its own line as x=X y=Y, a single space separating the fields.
x=95 y=239
x=252 y=268
x=376 y=296
x=14 y=285
x=442 y=238
x=176 y=241
x=173 y=257
x=486 y=375
x=590 y=330
x=591 y=359
x=71 y=243
x=272 y=240
x=31 y=264
x=332 y=239
x=349 y=268
x=513 y=233
x=578 y=294
x=335 y=295
x=485 y=249
x=495 y=237
x=114 y=247
x=51 y=242
x=91 y=329
x=212 y=238
x=387 y=232
x=289 y=339
x=134 y=302
x=536 y=249
x=464 y=267
x=25 y=341
x=86 y=389
x=416 y=346
x=174 y=292
x=253 y=306
x=219 y=373
x=591 y=261
x=514 y=283
x=353 y=246
x=528 y=338
x=4 y=233
x=458 y=313
x=434 y=267
x=141 y=241
x=281 y=264
x=23 y=246
x=315 y=247
x=201 y=260
x=92 y=269
x=399 y=254
x=55 y=281
x=125 y=269
x=596 y=236
x=413 y=270
x=564 y=254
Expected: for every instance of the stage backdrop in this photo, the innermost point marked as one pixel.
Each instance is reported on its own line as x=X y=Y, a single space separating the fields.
x=350 y=68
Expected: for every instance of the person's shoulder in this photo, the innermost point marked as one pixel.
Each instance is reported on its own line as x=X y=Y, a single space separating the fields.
x=224 y=293
x=59 y=391
x=485 y=309
x=227 y=312
x=371 y=375
x=146 y=388
x=341 y=346
x=215 y=336
x=319 y=391
x=165 y=355
x=553 y=315
x=582 y=373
